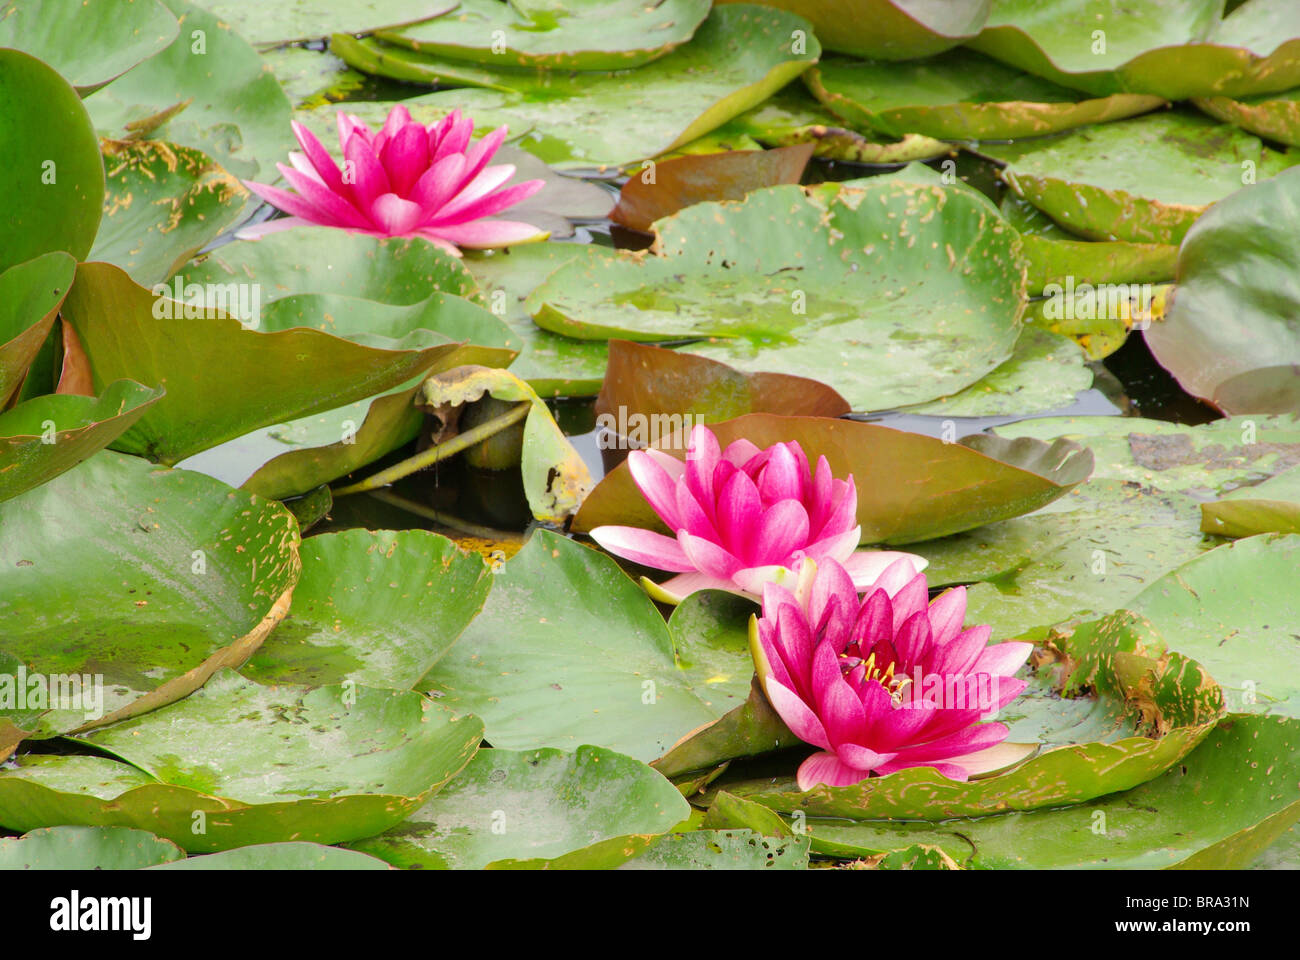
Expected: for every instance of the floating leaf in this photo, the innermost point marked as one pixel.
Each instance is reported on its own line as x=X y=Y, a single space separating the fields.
x=551 y=35
x=163 y=203
x=1232 y=335
x=287 y=21
x=86 y=848
x=959 y=95
x=722 y=850
x=737 y=59
x=1274 y=116
x=312 y=78
x=215 y=374
x=88 y=41
x=1270 y=507
x=1170 y=48
x=53 y=192
x=175 y=575
x=1225 y=803
x=1203 y=462
x=208 y=90
x=568 y=650
x=373 y=607
x=48 y=435
x=536 y=804
x=279 y=856
x=1143 y=180
x=789 y=304
x=921 y=487
x=682 y=181
x=889 y=29
x=649 y=390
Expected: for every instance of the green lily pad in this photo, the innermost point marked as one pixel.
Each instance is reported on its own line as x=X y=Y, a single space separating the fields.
x=312 y=78
x=90 y=42
x=889 y=29
x=1084 y=555
x=553 y=365
x=551 y=35
x=1218 y=809
x=959 y=95
x=1232 y=335
x=373 y=607
x=286 y=21
x=30 y=296
x=1145 y=710
x=358 y=762
x=738 y=58
x=648 y=391
x=48 y=435
x=921 y=487
x=1231 y=608
x=208 y=90
x=1046 y=371
x=1144 y=180
x=53 y=195
x=535 y=804
x=402 y=271
x=86 y=848
x=1269 y=507
x=556 y=479
x=163 y=203
x=175 y=575
x=867 y=331
x=722 y=850
x=568 y=650
x=1170 y=48
x=748 y=730
x=1203 y=462
x=792 y=117
x=215 y=377
x=290 y=855
x=1273 y=116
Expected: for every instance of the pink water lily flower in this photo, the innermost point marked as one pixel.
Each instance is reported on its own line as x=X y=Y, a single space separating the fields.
x=894 y=681
x=407 y=180
x=743 y=517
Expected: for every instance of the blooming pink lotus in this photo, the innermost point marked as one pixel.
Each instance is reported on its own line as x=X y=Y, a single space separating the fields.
x=407 y=180
x=885 y=684
x=742 y=517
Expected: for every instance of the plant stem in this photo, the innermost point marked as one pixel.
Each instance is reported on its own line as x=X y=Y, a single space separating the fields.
x=427 y=458
x=446 y=520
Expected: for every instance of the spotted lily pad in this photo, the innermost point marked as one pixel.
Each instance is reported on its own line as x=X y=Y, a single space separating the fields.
x=1232 y=334
x=86 y=848
x=959 y=95
x=1105 y=183
x=563 y=35
x=373 y=607
x=164 y=203
x=1171 y=48
x=1274 y=116
x=738 y=57
x=569 y=650
x=175 y=576
x=788 y=304
x=534 y=804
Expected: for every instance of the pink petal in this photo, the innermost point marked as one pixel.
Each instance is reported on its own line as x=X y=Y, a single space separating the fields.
x=1003 y=659
x=456 y=137
x=829 y=769
x=676 y=589
x=644 y=547
x=657 y=487
x=485 y=233
x=480 y=186
x=951 y=748
x=691 y=516
x=300 y=207
x=321 y=161
x=478 y=155
x=405 y=157
x=780 y=479
x=868 y=566
x=739 y=512
x=783 y=529
x=490 y=205
x=947 y=611
x=397 y=217
x=803 y=723
x=962 y=652
x=707 y=556
x=258 y=230
x=349 y=124
x=839 y=547
x=438 y=184
x=833 y=594
x=838 y=707
x=914 y=598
